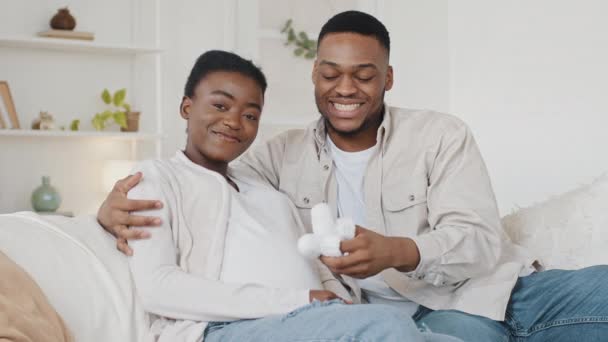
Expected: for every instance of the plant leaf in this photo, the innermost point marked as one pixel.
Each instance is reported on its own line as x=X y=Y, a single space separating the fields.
x=291 y=35
x=286 y=26
x=298 y=51
x=105 y=115
x=119 y=97
x=303 y=36
x=106 y=97
x=98 y=123
x=74 y=125
x=127 y=107
x=120 y=118
x=310 y=55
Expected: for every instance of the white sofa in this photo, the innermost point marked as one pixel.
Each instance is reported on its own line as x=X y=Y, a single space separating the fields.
x=88 y=282
x=79 y=269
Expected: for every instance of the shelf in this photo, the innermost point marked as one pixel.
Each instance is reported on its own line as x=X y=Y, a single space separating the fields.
x=74 y=45
x=78 y=134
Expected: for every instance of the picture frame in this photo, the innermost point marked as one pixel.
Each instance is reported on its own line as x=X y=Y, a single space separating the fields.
x=7 y=107
x=2 y=120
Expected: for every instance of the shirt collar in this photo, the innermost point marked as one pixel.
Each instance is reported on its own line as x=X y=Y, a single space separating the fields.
x=384 y=131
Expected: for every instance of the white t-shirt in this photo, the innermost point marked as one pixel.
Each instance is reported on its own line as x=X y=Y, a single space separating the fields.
x=260 y=242
x=350 y=170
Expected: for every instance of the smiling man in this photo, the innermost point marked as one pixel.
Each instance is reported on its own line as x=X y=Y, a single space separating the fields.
x=349 y=88
x=429 y=239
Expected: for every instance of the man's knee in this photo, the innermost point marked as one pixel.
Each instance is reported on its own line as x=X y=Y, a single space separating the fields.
x=597 y=273
x=589 y=283
x=586 y=281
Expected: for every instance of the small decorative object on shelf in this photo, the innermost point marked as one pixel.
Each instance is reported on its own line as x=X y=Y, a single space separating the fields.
x=305 y=47
x=45 y=198
x=7 y=106
x=75 y=125
x=121 y=113
x=44 y=121
x=132 y=122
x=63 y=24
x=63 y=20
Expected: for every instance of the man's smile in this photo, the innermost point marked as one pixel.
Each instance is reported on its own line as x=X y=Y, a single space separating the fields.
x=345 y=109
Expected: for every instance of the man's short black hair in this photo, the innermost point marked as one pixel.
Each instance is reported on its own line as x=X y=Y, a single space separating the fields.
x=217 y=60
x=356 y=22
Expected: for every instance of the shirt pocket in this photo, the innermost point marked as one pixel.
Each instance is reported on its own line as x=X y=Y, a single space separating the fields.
x=304 y=196
x=405 y=209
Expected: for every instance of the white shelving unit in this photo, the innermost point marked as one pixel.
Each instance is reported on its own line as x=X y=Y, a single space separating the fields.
x=70 y=45
x=90 y=47
x=65 y=76
x=95 y=48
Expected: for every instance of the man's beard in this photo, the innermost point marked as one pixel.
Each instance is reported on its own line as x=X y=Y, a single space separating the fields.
x=369 y=121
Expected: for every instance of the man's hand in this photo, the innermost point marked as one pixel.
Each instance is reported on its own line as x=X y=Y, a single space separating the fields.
x=370 y=253
x=114 y=217
x=324 y=295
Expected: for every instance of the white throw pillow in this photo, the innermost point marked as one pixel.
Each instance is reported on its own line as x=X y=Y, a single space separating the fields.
x=567 y=232
x=79 y=269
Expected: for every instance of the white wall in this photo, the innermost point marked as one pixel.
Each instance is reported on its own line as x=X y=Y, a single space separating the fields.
x=419 y=52
x=528 y=77
x=531 y=79
x=188 y=28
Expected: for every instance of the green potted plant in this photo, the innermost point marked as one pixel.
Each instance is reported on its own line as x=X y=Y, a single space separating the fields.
x=305 y=47
x=119 y=112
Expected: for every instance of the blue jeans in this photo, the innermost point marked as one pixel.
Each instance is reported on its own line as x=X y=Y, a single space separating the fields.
x=554 y=306
x=326 y=322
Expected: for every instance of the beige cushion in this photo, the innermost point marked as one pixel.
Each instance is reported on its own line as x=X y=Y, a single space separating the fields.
x=25 y=312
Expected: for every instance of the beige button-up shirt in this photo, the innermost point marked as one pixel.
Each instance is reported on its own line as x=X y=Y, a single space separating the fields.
x=427 y=181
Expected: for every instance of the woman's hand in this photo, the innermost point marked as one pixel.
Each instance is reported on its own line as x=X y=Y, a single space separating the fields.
x=114 y=216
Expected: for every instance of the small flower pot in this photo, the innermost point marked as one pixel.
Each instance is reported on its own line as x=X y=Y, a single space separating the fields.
x=132 y=122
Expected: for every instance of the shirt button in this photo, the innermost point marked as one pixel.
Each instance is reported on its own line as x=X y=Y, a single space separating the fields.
x=412 y=197
x=306 y=200
x=325 y=167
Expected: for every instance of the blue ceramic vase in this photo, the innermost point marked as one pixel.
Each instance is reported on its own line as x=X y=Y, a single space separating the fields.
x=45 y=197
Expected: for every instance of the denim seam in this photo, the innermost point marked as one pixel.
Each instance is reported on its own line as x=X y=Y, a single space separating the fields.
x=512 y=323
x=561 y=322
